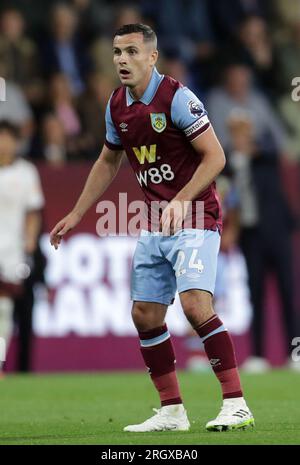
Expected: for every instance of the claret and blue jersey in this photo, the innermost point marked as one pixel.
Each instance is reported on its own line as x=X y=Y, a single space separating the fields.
x=156 y=132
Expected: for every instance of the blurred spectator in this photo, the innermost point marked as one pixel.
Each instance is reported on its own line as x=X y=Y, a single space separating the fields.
x=23 y=309
x=266 y=226
x=173 y=66
x=93 y=16
x=21 y=199
x=226 y=15
x=289 y=56
x=101 y=49
x=64 y=109
x=184 y=28
x=35 y=12
x=232 y=295
x=62 y=103
x=253 y=47
x=127 y=14
x=19 y=56
x=230 y=209
x=290 y=112
x=287 y=12
x=237 y=94
x=17 y=111
x=64 y=51
x=53 y=140
x=92 y=106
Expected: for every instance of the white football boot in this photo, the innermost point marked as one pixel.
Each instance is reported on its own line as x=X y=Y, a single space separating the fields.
x=168 y=418
x=234 y=415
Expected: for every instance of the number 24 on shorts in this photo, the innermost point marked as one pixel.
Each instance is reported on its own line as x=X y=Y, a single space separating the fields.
x=194 y=263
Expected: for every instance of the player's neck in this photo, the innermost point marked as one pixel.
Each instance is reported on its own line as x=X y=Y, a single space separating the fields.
x=138 y=91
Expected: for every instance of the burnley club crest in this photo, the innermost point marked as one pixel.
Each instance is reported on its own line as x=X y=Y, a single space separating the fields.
x=158 y=121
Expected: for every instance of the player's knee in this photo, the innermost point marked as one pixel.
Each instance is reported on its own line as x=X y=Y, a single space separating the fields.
x=197 y=306
x=139 y=313
x=147 y=315
x=192 y=311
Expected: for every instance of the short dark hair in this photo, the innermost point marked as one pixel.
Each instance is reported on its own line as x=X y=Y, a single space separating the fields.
x=148 y=33
x=12 y=129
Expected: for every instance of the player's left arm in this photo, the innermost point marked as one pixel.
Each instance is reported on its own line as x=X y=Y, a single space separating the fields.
x=212 y=163
x=189 y=115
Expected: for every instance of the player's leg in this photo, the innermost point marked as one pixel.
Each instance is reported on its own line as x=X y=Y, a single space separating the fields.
x=157 y=350
x=198 y=308
x=193 y=255
x=152 y=290
x=159 y=357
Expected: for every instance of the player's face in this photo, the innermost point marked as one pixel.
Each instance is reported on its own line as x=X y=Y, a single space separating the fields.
x=134 y=59
x=8 y=148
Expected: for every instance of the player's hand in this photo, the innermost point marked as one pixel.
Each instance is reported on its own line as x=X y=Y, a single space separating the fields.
x=173 y=217
x=63 y=226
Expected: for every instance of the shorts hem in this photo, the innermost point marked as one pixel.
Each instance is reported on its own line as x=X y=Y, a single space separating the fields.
x=189 y=288
x=157 y=300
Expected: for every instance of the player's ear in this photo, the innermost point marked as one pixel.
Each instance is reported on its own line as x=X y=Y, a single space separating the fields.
x=154 y=57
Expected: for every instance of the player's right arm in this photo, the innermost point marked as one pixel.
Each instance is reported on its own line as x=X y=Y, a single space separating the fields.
x=100 y=177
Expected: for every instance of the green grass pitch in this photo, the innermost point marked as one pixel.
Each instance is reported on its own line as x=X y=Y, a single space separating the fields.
x=94 y=408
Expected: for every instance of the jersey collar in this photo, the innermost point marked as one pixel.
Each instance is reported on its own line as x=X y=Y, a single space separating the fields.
x=149 y=93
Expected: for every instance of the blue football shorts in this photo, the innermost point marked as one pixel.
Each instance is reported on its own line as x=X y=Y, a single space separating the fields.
x=163 y=264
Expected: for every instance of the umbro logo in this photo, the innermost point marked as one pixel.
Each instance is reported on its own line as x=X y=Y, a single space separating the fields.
x=215 y=362
x=123 y=127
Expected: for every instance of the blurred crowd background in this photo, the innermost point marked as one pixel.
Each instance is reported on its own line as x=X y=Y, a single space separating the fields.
x=240 y=57
x=56 y=58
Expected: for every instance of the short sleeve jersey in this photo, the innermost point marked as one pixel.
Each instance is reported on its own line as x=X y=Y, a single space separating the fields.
x=156 y=132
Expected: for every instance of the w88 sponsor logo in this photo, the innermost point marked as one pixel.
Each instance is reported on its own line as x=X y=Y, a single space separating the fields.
x=155 y=175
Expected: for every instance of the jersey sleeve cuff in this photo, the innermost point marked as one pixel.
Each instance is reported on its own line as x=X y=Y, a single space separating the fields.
x=197 y=128
x=112 y=146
